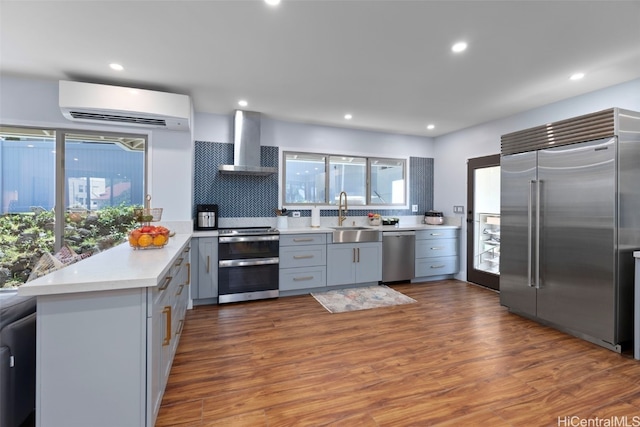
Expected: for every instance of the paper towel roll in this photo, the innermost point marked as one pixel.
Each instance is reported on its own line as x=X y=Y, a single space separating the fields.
x=315 y=216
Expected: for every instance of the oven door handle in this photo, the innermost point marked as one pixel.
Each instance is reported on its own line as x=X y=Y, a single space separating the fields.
x=233 y=239
x=247 y=262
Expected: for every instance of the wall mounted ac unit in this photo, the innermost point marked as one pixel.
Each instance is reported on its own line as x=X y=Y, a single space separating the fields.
x=97 y=103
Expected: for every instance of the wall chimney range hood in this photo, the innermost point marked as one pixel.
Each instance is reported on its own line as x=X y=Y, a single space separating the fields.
x=246 y=146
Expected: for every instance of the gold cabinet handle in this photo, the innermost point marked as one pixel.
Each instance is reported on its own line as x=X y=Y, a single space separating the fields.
x=299 y=279
x=188 y=273
x=302 y=240
x=180 y=288
x=437 y=266
x=179 y=262
x=167 y=338
x=354 y=255
x=436 y=234
x=165 y=285
x=437 y=248
x=302 y=256
x=180 y=326
x=358 y=254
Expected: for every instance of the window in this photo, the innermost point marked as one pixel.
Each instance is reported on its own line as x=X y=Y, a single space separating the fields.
x=387 y=182
x=348 y=174
x=69 y=190
x=313 y=178
x=305 y=178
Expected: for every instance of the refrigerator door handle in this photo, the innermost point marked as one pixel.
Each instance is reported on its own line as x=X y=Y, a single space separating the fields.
x=530 y=282
x=537 y=241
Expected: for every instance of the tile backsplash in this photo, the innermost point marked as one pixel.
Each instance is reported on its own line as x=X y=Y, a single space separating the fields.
x=257 y=196
x=235 y=195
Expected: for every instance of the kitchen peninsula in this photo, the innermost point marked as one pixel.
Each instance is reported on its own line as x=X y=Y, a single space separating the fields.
x=107 y=330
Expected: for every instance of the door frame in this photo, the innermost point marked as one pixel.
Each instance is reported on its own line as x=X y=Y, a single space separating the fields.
x=483 y=278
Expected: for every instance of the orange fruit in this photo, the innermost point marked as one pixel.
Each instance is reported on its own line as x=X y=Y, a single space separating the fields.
x=159 y=240
x=145 y=240
x=133 y=240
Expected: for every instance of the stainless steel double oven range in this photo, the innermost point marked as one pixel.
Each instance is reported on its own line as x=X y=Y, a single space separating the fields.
x=248 y=264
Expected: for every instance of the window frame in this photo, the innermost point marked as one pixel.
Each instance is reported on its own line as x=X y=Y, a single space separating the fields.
x=59 y=137
x=327 y=159
x=403 y=162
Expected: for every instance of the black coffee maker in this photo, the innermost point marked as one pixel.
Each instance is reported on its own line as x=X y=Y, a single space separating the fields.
x=206 y=217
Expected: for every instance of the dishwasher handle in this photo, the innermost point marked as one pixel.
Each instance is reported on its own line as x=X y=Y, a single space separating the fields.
x=398 y=233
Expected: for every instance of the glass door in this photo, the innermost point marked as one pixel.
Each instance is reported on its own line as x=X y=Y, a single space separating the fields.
x=483 y=221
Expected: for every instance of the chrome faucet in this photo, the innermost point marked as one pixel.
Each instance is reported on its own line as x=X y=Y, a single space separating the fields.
x=342 y=209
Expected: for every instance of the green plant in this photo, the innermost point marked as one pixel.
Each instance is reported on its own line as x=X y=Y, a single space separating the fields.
x=25 y=237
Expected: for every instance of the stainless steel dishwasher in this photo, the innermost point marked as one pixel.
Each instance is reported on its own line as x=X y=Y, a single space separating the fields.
x=398 y=255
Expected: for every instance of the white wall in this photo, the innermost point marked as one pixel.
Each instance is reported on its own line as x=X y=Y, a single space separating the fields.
x=453 y=150
x=34 y=103
x=317 y=138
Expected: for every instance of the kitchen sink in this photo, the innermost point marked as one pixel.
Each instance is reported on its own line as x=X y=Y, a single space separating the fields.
x=355 y=234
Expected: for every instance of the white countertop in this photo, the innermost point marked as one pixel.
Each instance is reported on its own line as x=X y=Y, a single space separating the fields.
x=636 y=254
x=325 y=229
x=121 y=267
x=300 y=230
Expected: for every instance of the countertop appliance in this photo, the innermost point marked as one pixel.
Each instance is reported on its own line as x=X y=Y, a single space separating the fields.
x=569 y=224
x=398 y=255
x=433 y=218
x=206 y=217
x=248 y=264
x=390 y=221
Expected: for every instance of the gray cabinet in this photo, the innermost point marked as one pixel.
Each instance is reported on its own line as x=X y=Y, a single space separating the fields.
x=169 y=304
x=303 y=260
x=437 y=253
x=352 y=263
x=206 y=268
x=104 y=356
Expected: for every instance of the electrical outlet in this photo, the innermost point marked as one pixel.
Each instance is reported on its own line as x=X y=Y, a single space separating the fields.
x=296 y=214
x=414 y=208
x=458 y=209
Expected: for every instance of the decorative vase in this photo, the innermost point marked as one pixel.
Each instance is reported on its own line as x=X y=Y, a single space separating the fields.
x=281 y=222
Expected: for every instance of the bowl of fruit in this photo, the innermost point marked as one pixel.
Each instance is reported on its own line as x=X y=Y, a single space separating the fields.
x=149 y=237
x=374 y=219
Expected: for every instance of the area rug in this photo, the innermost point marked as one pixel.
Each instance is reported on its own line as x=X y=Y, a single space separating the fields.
x=352 y=299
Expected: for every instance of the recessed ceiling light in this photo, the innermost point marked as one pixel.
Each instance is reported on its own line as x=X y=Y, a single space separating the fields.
x=576 y=76
x=431 y=127
x=116 y=67
x=272 y=2
x=243 y=103
x=348 y=116
x=459 y=47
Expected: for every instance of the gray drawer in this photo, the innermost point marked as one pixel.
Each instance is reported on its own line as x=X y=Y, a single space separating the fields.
x=303 y=239
x=303 y=278
x=446 y=233
x=303 y=256
x=436 y=266
x=436 y=248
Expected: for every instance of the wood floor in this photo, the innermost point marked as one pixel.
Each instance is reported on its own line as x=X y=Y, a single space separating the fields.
x=454 y=358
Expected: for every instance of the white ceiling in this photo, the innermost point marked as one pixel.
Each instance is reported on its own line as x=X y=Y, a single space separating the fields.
x=388 y=63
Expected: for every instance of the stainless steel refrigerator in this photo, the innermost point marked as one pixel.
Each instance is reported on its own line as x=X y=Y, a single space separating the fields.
x=570 y=221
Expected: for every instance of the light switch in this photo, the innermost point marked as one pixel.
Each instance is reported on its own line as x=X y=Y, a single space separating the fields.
x=458 y=209
x=414 y=208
